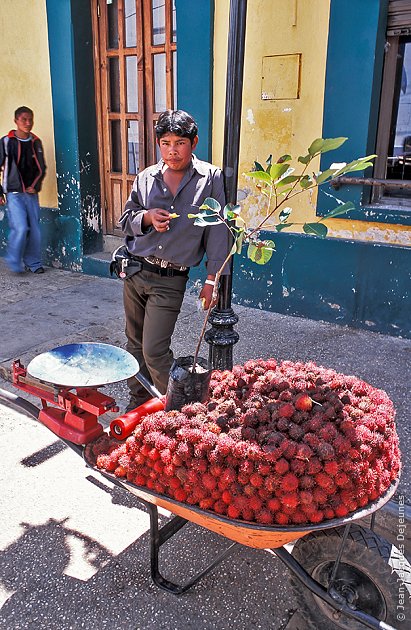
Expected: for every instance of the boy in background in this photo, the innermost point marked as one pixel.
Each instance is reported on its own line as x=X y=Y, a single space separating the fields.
x=22 y=159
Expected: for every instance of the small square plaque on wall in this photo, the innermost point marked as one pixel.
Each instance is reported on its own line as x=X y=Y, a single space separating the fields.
x=281 y=77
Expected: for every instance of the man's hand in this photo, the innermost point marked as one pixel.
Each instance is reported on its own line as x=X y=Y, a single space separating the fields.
x=31 y=190
x=158 y=218
x=2 y=199
x=206 y=296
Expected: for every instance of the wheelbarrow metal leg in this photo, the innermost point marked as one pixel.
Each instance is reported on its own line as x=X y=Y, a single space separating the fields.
x=158 y=536
x=335 y=600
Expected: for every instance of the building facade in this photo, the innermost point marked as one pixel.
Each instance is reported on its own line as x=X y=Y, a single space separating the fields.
x=98 y=73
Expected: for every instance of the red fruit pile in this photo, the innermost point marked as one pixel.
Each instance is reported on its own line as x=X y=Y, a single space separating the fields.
x=283 y=444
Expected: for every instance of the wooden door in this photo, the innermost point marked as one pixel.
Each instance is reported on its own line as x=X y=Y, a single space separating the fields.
x=135 y=74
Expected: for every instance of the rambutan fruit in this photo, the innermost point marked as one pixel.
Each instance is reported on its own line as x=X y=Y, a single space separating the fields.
x=207 y=504
x=331 y=468
x=303 y=403
x=227 y=497
x=342 y=479
x=324 y=480
x=120 y=471
x=306 y=482
x=320 y=496
x=286 y=410
x=255 y=503
x=289 y=482
x=299 y=466
x=173 y=482
x=328 y=432
x=264 y=468
x=209 y=481
x=325 y=451
x=264 y=517
x=298 y=517
x=180 y=494
x=248 y=514
x=306 y=497
x=233 y=512
x=341 y=510
x=314 y=466
x=256 y=480
x=316 y=517
x=281 y=466
x=249 y=490
x=281 y=518
x=290 y=499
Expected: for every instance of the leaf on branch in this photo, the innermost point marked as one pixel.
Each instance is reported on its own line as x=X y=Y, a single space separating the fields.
x=339 y=210
x=258 y=167
x=322 y=146
x=206 y=217
x=260 y=252
x=316 y=146
x=306 y=182
x=318 y=229
x=304 y=159
x=210 y=204
x=284 y=214
x=288 y=179
x=260 y=176
x=276 y=170
x=328 y=174
x=281 y=226
x=284 y=158
x=231 y=211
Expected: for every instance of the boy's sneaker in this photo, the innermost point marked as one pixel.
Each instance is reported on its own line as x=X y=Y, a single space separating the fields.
x=38 y=270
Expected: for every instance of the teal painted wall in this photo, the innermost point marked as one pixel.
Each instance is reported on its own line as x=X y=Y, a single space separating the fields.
x=355 y=57
x=71 y=64
x=195 y=23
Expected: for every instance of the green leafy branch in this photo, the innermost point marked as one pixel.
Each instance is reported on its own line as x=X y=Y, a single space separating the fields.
x=280 y=184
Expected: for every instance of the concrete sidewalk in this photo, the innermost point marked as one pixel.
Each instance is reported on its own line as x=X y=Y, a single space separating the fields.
x=54 y=507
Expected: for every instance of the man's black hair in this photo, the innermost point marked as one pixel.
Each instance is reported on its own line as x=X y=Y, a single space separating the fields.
x=176 y=122
x=22 y=110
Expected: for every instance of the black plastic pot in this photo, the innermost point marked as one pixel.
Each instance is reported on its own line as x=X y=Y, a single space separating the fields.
x=185 y=385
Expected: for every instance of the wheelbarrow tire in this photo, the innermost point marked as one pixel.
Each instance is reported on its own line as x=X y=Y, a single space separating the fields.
x=372 y=571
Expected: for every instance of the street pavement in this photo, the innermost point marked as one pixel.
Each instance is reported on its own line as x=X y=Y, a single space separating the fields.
x=74 y=549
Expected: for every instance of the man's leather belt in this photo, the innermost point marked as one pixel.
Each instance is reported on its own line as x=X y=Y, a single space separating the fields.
x=169 y=271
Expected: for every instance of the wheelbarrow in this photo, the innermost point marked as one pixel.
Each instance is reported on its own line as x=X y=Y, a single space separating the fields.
x=344 y=574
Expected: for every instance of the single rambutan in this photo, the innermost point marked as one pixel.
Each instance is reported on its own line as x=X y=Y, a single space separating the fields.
x=289 y=482
x=290 y=499
x=281 y=518
x=233 y=512
x=281 y=466
x=303 y=403
x=256 y=480
x=331 y=468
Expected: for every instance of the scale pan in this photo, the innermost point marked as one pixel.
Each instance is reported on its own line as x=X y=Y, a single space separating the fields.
x=84 y=365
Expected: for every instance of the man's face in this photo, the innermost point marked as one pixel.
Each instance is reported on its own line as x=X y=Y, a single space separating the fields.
x=24 y=123
x=176 y=151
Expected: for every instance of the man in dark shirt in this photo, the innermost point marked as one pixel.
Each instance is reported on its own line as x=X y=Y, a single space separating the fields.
x=21 y=156
x=160 y=235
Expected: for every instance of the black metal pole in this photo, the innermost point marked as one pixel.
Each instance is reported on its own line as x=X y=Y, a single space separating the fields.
x=221 y=337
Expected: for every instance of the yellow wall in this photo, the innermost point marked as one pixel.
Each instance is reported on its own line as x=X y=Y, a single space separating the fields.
x=283 y=27
x=25 y=78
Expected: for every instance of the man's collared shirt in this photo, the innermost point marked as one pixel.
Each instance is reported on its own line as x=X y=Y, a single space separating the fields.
x=184 y=243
